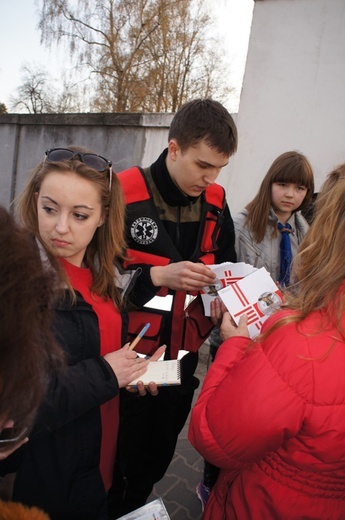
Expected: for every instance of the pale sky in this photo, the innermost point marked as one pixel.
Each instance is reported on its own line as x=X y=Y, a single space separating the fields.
x=20 y=43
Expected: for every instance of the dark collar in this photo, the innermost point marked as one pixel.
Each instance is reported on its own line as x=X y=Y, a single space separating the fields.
x=171 y=194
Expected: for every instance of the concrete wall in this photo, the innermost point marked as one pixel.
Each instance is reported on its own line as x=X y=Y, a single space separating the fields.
x=293 y=98
x=126 y=139
x=293 y=93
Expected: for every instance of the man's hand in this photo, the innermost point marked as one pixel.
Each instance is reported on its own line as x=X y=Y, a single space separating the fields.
x=182 y=276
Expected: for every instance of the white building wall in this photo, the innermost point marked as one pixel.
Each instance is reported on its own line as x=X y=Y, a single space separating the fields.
x=293 y=93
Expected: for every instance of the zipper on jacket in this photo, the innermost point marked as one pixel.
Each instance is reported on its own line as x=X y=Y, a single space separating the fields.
x=177 y=233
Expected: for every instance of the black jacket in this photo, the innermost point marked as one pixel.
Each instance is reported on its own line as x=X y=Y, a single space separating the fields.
x=59 y=467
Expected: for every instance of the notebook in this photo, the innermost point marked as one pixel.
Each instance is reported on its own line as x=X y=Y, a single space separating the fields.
x=163 y=373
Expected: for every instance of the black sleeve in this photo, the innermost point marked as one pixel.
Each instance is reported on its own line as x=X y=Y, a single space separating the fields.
x=143 y=289
x=75 y=390
x=226 y=240
x=72 y=392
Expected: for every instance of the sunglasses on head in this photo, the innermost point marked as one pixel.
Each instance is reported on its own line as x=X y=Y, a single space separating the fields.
x=97 y=162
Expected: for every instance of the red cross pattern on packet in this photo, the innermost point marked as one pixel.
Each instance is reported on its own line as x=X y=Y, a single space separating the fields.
x=226 y=273
x=256 y=295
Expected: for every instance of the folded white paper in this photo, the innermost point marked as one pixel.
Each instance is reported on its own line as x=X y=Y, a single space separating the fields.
x=155 y=510
x=255 y=295
x=226 y=274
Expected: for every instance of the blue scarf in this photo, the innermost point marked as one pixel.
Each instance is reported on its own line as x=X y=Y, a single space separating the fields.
x=285 y=254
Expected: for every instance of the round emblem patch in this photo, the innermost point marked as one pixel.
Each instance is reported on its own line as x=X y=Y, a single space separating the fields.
x=144 y=230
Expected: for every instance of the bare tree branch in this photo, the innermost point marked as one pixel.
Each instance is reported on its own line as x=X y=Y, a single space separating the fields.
x=147 y=55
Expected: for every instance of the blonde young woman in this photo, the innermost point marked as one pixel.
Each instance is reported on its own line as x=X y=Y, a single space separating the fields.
x=73 y=206
x=280 y=442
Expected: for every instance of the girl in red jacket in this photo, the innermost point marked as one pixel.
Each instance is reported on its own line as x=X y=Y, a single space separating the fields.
x=271 y=413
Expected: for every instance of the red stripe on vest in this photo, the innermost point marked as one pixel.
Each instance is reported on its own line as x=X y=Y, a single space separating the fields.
x=133 y=185
x=208 y=259
x=214 y=194
x=135 y=188
x=140 y=257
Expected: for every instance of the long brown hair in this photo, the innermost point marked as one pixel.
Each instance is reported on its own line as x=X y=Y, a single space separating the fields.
x=28 y=350
x=107 y=245
x=290 y=167
x=318 y=269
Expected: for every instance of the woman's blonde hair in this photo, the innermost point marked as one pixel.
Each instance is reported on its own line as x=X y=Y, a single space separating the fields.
x=318 y=269
x=290 y=167
x=107 y=245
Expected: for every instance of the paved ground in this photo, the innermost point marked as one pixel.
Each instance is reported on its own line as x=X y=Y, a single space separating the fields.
x=177 y=488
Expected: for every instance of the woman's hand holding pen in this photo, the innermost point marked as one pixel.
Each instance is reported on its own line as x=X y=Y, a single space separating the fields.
x=152 y=387
x=126 y=365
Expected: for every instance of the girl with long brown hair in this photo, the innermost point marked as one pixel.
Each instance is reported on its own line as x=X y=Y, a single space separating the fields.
x=271 y=227
x=73 y=205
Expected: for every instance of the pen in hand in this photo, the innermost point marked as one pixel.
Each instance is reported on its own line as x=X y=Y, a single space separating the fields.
x=139 y=336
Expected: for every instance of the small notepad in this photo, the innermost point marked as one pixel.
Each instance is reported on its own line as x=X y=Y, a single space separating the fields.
x=163 y=373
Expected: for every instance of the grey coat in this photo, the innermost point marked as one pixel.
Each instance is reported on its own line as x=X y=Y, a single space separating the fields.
x=266 y=253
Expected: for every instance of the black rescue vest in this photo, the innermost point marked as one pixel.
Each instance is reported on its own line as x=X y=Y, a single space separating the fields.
x=149 y=243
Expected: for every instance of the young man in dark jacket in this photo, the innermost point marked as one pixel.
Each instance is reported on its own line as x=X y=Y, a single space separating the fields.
x=177 y=223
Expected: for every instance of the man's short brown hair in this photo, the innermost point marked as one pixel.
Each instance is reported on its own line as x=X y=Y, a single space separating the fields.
x=204 y=120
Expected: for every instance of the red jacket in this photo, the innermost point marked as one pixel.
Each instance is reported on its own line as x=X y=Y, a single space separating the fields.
x=273 y=420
